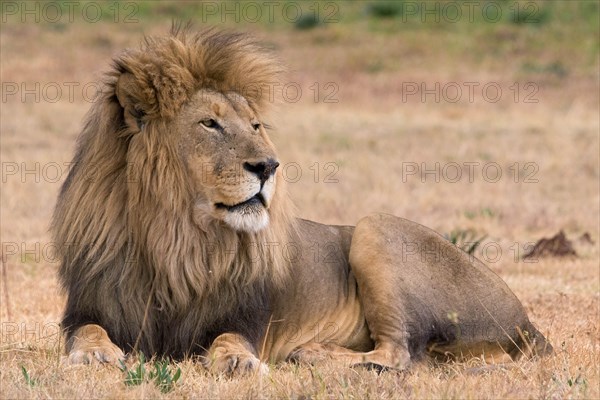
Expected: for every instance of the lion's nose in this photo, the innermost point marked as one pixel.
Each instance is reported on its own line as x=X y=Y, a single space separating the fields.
x=263 y=169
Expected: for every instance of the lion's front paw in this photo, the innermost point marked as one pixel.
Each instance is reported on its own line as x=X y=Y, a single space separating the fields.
x=106 y=354
x=235 y=364
x=90 y=343
x=231 y=354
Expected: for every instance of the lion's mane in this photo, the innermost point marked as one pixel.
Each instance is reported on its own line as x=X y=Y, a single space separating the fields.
x=125 y=221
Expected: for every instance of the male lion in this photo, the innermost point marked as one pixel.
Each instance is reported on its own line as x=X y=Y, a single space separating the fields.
x=178 y=238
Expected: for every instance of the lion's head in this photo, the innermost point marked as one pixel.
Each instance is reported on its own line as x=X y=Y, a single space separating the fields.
x=202 y=96
x=174 y=171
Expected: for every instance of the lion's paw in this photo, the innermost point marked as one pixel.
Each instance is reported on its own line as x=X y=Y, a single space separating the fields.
x=108 y=353
x=307 y=355
x=91 y=344
x=232 y=364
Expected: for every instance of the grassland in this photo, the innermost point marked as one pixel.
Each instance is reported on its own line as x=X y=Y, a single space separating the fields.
x=363 y=142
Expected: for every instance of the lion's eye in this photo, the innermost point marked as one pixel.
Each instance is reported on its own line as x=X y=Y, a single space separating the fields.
x=256 y=126
x=210 y=123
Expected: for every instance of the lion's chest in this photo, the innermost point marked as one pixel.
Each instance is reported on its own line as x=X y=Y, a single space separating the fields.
x=192 y=330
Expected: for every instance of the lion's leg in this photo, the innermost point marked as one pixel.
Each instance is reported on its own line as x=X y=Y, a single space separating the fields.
x=375 y=269
x=232 y=354
x=314 y=352
x=90 y=343
x=419 y=292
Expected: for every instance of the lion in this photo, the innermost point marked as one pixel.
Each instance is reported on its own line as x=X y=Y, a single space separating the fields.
x=180 y=241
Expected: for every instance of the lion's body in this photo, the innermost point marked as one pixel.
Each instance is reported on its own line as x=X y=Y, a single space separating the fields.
x=179 y=238
x=392 y=277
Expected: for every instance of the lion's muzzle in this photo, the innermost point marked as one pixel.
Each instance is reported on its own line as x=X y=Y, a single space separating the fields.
x=262 y=169
x=251 y=213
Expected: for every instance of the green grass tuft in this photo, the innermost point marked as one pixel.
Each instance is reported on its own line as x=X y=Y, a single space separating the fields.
x=162 y=376
x=465 y=239
x=385 y=9
x=307 y=21
x=28 y=379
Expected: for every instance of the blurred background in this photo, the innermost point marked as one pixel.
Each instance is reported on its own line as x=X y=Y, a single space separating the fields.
x=385 y=102
x=476 y=118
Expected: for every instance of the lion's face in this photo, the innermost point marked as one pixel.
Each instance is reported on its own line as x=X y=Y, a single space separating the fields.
x=230 y=159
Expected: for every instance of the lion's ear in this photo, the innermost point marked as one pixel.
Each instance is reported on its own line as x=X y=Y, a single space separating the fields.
x=126 y=91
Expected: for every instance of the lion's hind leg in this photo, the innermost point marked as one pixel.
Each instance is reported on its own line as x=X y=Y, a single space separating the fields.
x=385 y=356
x=374 y=262
x=316 y=352
x=531 y=343
x=488 y=352
x=90 y=343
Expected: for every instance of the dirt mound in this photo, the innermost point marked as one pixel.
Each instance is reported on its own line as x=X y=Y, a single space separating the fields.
x=556 y=246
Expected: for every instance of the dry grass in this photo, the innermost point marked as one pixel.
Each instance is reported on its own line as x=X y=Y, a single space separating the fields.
x=370 y=135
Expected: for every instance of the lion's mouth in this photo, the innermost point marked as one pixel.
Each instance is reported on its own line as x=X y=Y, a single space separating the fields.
x=253 y=201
